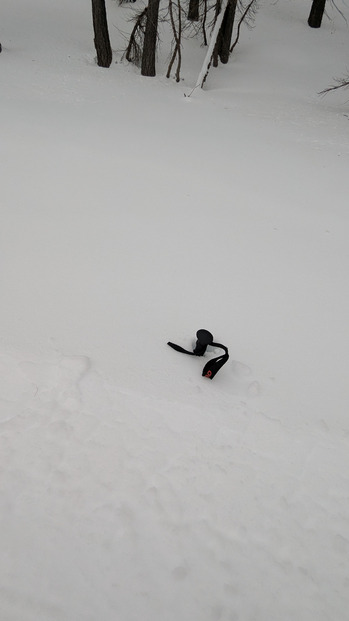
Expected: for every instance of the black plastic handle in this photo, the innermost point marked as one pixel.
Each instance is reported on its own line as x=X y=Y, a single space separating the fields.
x=204 y=339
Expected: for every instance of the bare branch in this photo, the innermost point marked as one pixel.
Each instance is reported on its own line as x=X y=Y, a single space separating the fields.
x=340 y=83
x=133 y=52
x=251 y=8
x=339 y=11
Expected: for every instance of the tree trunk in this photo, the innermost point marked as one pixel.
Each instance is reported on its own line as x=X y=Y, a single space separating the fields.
x=227 y=31
x=100 y=27
x=224 y=38
x=193 y=11
x=150 y=39
x=316 y=13
x=210 y=50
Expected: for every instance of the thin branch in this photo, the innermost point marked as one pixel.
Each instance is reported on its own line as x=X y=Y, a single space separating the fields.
x=339 y=11
x=242 y=18
x=133 y=52
x=340 y=83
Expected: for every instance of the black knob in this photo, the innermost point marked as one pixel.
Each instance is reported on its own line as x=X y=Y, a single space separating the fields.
x=204 y=338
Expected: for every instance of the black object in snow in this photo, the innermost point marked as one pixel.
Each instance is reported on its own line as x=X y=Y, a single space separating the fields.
x=205 y=338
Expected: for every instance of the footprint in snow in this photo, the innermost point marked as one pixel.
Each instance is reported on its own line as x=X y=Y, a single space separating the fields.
x=244 y=382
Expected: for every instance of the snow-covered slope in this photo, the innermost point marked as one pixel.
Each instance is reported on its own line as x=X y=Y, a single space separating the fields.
x=131 y=487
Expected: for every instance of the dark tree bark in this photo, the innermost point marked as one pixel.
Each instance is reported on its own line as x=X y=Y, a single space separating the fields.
x=193 y=11
x=316 y=13
x=204 y=19
x=222 y=47
x=101 y=39
x=176 y=23
x=227 y=31
x=150 y=39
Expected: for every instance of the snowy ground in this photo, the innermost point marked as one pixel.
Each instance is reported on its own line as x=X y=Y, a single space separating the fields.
x=131 y=487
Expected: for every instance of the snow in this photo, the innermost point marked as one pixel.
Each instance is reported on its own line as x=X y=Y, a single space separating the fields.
x=131 y=487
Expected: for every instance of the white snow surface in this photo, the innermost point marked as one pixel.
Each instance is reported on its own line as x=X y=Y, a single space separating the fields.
x=132 y=488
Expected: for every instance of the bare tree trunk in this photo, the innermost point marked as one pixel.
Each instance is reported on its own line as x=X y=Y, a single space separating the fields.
x=209 y=54
x=193 y=11
x=150 y=39
x=204 y=19
x=227 y=31
x=222 y=47
x=100 y=27
x=316 y=13
x=219 y=14
x=177 y=35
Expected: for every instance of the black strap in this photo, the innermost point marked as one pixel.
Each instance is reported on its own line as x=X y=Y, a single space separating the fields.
x=212 y=366
x=180 y=349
